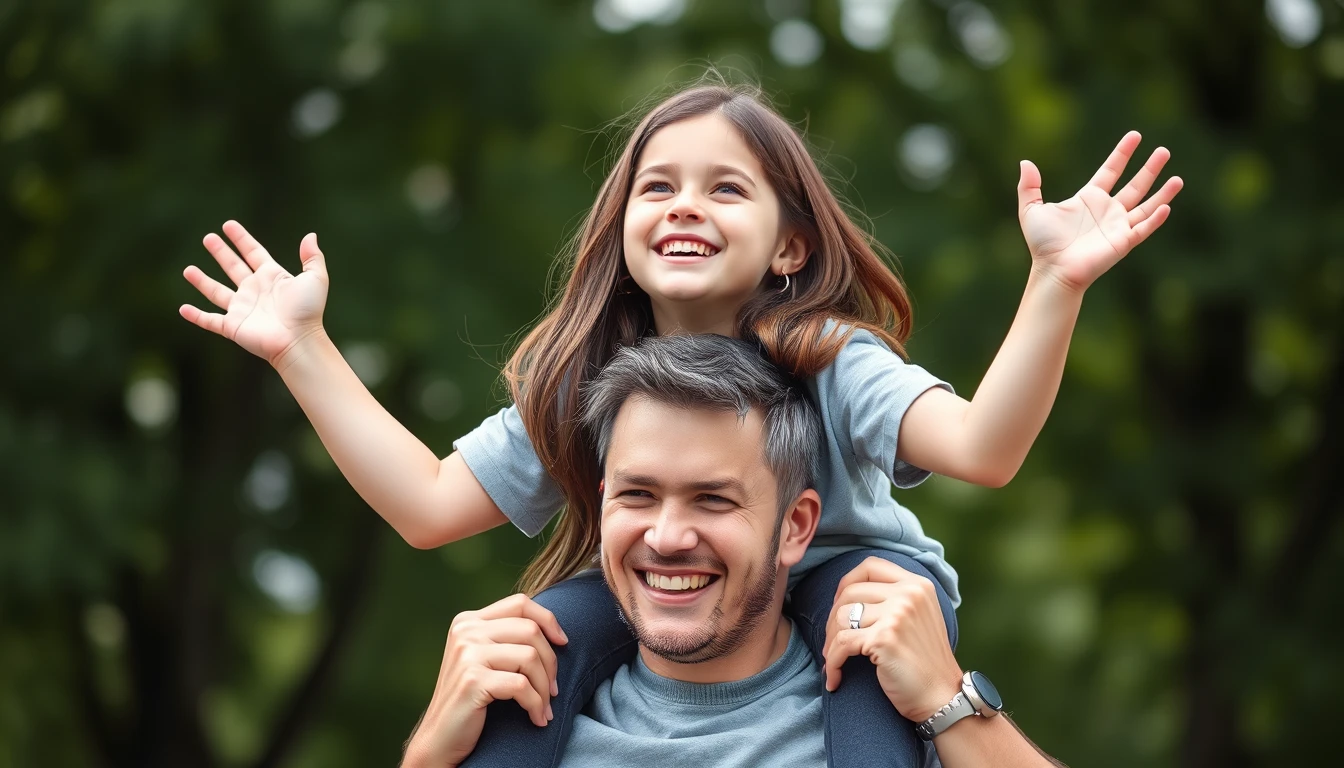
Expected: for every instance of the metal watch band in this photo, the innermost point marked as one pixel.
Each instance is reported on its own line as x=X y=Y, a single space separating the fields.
x=943 y=719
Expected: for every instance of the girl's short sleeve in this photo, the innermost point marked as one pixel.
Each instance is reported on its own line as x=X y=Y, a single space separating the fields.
x=500 y=455
x=866 y=392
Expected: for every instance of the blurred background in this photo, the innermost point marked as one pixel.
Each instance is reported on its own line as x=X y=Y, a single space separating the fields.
x=186 y=580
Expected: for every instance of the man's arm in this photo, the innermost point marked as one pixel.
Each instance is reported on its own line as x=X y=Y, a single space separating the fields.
x=996 y=741
x=902 y=632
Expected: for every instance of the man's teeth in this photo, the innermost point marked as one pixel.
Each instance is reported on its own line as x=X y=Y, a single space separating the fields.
x=688 y=246
x=675 y=583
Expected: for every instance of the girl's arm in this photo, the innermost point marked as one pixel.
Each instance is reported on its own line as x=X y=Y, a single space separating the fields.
x=1072 y=243
x=429 y=501
x=278 y=317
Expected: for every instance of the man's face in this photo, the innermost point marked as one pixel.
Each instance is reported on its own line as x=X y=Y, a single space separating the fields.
x=691 y=529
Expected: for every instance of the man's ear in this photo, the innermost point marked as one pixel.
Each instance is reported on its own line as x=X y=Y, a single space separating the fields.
x=792 y=256
x=800 y=525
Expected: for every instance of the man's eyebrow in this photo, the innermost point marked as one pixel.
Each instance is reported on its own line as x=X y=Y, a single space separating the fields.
x=720 y=484
x=715 y=484
x=629 y=478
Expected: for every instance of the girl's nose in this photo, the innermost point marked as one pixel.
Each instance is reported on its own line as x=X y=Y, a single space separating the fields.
x=684 y=208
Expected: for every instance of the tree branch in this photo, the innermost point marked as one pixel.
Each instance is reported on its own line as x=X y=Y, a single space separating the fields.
x=348 y=597
x=1322 y=501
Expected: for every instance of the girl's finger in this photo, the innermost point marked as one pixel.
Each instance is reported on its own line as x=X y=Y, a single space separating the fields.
x=1109 y=172
x=1138 y=186
x=247 y=245
x=1140 y=232
x=208 y=320
x=1028 y=186
x=497 y=686
x=210 y=288
x=1163 y=196
x=233 y=266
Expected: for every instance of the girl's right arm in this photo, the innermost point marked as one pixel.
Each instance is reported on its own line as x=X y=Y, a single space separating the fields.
x=278 y=317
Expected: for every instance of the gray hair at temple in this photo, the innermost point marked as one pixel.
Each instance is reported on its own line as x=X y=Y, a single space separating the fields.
x=715 y=373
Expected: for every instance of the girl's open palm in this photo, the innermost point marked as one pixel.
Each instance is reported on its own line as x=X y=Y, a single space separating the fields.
x=1080 y=238
x=271 y=309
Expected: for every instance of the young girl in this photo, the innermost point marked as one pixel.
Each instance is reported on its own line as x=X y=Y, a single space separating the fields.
x=714 y=219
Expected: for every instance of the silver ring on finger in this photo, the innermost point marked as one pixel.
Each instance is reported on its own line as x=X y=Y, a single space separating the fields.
x=855 y=615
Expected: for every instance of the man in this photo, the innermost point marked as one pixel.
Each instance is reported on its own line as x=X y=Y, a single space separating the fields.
x=707 y=503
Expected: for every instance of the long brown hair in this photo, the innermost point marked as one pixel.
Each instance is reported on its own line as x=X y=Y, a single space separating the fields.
x=601 y=308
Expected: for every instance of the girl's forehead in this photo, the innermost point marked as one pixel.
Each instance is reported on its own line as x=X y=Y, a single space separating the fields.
x=702 y=141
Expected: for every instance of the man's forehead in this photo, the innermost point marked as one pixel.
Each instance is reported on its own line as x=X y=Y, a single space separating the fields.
x=656 y=441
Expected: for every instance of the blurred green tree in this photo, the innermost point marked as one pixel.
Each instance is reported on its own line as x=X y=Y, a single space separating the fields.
x=186 y=580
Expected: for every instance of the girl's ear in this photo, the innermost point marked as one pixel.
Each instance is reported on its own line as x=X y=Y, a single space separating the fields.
x=792 y=255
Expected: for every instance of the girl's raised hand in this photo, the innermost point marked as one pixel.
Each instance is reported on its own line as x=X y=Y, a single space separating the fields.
x=1078 y=239
x=271 y=310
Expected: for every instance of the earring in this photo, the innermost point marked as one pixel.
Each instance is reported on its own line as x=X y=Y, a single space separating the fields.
x=787 y=285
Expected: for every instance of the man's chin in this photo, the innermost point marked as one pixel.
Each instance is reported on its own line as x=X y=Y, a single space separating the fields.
x=683 y=647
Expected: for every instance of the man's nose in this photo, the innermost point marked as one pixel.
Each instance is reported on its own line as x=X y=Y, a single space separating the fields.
x=671 y=532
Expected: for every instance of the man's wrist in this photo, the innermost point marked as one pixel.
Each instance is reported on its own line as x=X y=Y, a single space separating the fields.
x=938 y=697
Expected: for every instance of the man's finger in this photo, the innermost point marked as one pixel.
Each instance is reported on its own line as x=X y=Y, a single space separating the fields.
x=519 y=631
x=522 y=606
x=247 y=245
x=209 y=287
x=494 y=685
x=874 y=569
x=523 y=659
x=846 y=643
x=1109 y=172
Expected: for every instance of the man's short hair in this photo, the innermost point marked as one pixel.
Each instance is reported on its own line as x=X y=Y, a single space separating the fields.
x=716 y=373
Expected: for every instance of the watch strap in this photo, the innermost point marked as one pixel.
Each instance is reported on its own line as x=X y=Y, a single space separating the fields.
x=954 y=710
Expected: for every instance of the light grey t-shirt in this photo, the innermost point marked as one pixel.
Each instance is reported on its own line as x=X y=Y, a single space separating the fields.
x=638 y=718
x=862 y=398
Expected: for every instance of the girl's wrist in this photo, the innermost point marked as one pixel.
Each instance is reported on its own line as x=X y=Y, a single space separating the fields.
x=302 y=345
x=1049 y=276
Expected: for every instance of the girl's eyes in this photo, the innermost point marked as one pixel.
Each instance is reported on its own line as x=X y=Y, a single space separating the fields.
x=662 y=187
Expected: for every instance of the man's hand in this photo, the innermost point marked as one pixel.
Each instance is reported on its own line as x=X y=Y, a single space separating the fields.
x=901 y=631
x=499 y=652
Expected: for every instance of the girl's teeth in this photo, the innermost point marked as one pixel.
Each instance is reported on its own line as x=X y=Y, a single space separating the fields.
x=688 y=246
x=675 y=583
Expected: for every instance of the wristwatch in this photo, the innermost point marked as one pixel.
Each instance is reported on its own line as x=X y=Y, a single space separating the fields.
x=977 y=696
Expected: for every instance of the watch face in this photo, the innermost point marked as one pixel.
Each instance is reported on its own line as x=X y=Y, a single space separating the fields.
x=987 y=691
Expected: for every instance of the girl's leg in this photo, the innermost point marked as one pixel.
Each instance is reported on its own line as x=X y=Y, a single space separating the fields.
x=599 y=643
x=862 y=728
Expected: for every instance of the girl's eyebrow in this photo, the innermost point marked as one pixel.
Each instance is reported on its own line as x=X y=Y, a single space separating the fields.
x=670 y=169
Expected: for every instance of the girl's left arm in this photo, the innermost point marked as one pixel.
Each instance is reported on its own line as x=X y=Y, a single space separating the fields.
x=1072 y=243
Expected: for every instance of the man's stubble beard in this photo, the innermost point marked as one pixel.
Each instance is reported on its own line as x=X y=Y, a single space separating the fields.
x=755 y=606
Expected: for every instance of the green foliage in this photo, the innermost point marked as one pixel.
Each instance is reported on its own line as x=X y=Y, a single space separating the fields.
x=1156 y=587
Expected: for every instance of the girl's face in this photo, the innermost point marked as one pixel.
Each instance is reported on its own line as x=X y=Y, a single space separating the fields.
x=702 y=226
